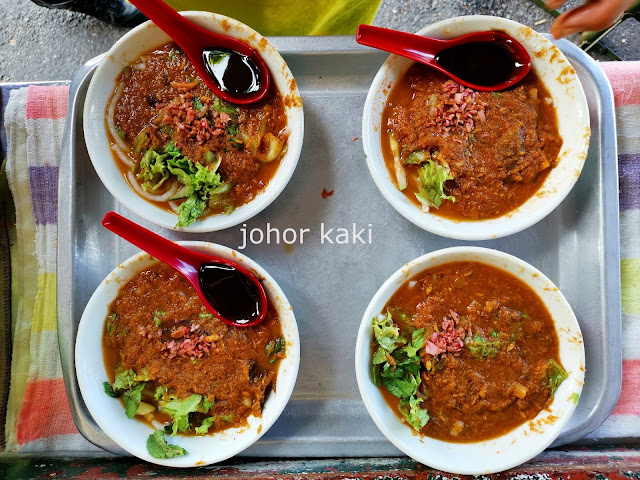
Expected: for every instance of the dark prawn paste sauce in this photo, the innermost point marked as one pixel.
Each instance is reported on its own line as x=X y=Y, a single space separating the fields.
x=499 y=147
x=160 y=100
x=489 y=353
x=159 y=328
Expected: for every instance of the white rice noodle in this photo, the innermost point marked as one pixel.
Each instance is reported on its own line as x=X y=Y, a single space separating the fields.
x=154 y=197
x=111 y=119
x=174 y=205
x=126 y=159
x=139 y=66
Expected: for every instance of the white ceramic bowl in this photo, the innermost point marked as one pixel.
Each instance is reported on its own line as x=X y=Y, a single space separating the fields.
x=516 y=446
x=141 y=40
x=573 y=125
x=132 y=434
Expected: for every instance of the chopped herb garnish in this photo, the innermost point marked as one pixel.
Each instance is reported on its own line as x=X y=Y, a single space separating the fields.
x=157 y=317
x=481 y=347
x=205 y=315
x=197 y=103
x=121 y=133
x=206 y=404
x=160 y=392
x=575 y=398
x=556 y=375
x=108 y=389
x=179 y=410
x=417 y=157
x=132 y=399
x=227 y=418
x=158 y=447
x=494 y=334
x=221 y=106
x=204 y=426
x=233 y=129
x=276 y=349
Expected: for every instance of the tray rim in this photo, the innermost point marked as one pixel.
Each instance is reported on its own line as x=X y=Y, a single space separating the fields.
x=336 y=45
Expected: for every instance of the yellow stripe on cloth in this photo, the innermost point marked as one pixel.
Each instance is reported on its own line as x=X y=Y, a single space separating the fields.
x=630 y=279
x=44 y=315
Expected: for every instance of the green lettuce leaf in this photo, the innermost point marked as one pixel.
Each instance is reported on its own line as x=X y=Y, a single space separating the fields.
x=158 y=448
x=206 y=404
x=179 y=410
x=416 y=416
x=204 y=426
x=125 y=379
x=132 y=398
x=386 y=332
x=160 y=392
x=556 y=375
x=432 y=179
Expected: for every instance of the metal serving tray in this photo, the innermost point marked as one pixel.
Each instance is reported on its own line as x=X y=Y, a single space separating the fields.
x=330 y=285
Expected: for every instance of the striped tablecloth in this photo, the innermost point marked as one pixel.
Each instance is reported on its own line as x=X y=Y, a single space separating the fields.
x=38 y=415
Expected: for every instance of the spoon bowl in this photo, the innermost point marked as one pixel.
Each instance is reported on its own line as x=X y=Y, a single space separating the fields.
x=505 y=61
x=230 y=291
x=201 y=45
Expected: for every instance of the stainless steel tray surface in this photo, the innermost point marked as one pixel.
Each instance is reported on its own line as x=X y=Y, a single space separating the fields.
x=330 y=285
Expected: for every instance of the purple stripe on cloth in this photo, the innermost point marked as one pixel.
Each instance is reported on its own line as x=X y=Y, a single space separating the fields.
x=629 y=174
x=43 y=183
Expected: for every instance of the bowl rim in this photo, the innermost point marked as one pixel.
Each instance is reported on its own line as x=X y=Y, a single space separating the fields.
x=97 y=142
x=234 y=440
x=535 y=437
x=515 y=220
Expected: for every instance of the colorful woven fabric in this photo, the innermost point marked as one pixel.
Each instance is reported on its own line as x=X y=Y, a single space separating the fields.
x=38 y=415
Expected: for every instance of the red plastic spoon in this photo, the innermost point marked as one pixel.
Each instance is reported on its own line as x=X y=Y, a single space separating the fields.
x=485 y=61
x=230 y=291
x=230 y=68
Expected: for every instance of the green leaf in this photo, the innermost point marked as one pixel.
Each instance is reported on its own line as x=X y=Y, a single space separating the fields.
x=575 y=398
x=416 y=416
x=233 y=129
x=274 y=347
x=160 y=392
x=376 y=374
x=108 y=389
x=227 y=418
x=417 y=157
x=417 y=341
x=403 y=389
x=179 y=410
x=158 y=447
x=157 y=317
x=205 y=315
x=386 y=333
x=132 y=399
x=197 y=103
x=124 y=380
x=204 y=426
x=379 y=357
x=207 y=404
x=556 y=375
x=432 y=180
x=221 y=106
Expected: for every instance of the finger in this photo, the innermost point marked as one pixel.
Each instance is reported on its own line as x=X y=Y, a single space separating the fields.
x=555 y=3
x=590 y=16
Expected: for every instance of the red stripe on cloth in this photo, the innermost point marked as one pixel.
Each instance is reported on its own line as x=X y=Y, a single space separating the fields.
x=629 y=401
x=625 y=81
x=47 y=102
x=45 y=411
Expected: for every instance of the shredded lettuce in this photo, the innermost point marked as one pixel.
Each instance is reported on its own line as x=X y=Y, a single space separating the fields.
x=396 y=366
x=125 y=379
x=204 y=426
x=158 y=447
x=275 y=348
x=575 y=398
x=179 y=410
x=432 y=179
x=556 y=375
x=160 y=392
x=206 y=404
x=416 y=416
x=417 y=157
x=200 y=182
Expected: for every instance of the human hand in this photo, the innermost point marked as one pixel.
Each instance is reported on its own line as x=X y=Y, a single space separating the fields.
x=592 y=15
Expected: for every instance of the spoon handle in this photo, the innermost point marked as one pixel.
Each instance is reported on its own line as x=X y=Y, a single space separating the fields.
x=420 y=49
x=180 y=258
